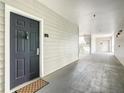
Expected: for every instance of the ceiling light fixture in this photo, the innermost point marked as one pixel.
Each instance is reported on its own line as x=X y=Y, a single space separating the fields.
x=94 y=15
x=119 y=32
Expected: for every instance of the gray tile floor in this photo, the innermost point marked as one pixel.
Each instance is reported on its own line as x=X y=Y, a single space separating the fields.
x=92 y=74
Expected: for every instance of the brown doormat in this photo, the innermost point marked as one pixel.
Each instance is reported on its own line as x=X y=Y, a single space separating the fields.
x=33 y=87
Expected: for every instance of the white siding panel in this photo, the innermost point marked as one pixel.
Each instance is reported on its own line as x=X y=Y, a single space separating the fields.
x=60 y=49
x=2 y=47
x=2 y=14
x=62 y=43
x=1 y=35
x=1 y=19
x=2 y=28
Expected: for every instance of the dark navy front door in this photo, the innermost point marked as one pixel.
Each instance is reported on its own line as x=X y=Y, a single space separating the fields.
x=24 y=45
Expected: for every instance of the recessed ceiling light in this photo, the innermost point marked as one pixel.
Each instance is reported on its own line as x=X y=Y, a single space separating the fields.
x=94 y=15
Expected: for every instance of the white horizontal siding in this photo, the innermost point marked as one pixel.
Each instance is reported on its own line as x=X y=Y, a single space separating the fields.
x=2 y=25
x=61 y=48
x=62 y=44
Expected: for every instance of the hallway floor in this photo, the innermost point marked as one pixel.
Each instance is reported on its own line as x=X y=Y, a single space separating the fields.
x=98 y=73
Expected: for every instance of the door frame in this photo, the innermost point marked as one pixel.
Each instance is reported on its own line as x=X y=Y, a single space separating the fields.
x=8 y=10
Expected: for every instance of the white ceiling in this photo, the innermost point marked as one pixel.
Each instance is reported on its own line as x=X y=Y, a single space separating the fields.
x=109 y=14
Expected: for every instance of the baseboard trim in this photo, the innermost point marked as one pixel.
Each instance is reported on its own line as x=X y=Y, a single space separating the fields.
x=65 y=67
x=119 y=60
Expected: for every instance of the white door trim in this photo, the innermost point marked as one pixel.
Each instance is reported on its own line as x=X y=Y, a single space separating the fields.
x=9 y=9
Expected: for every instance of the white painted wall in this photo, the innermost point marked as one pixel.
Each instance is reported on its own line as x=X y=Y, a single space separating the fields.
x=119 y=47
x=60 y=49
x=104 y=44
x=95 y=43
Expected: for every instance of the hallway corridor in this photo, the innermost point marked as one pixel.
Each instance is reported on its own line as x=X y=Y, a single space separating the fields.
x=98 y=73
